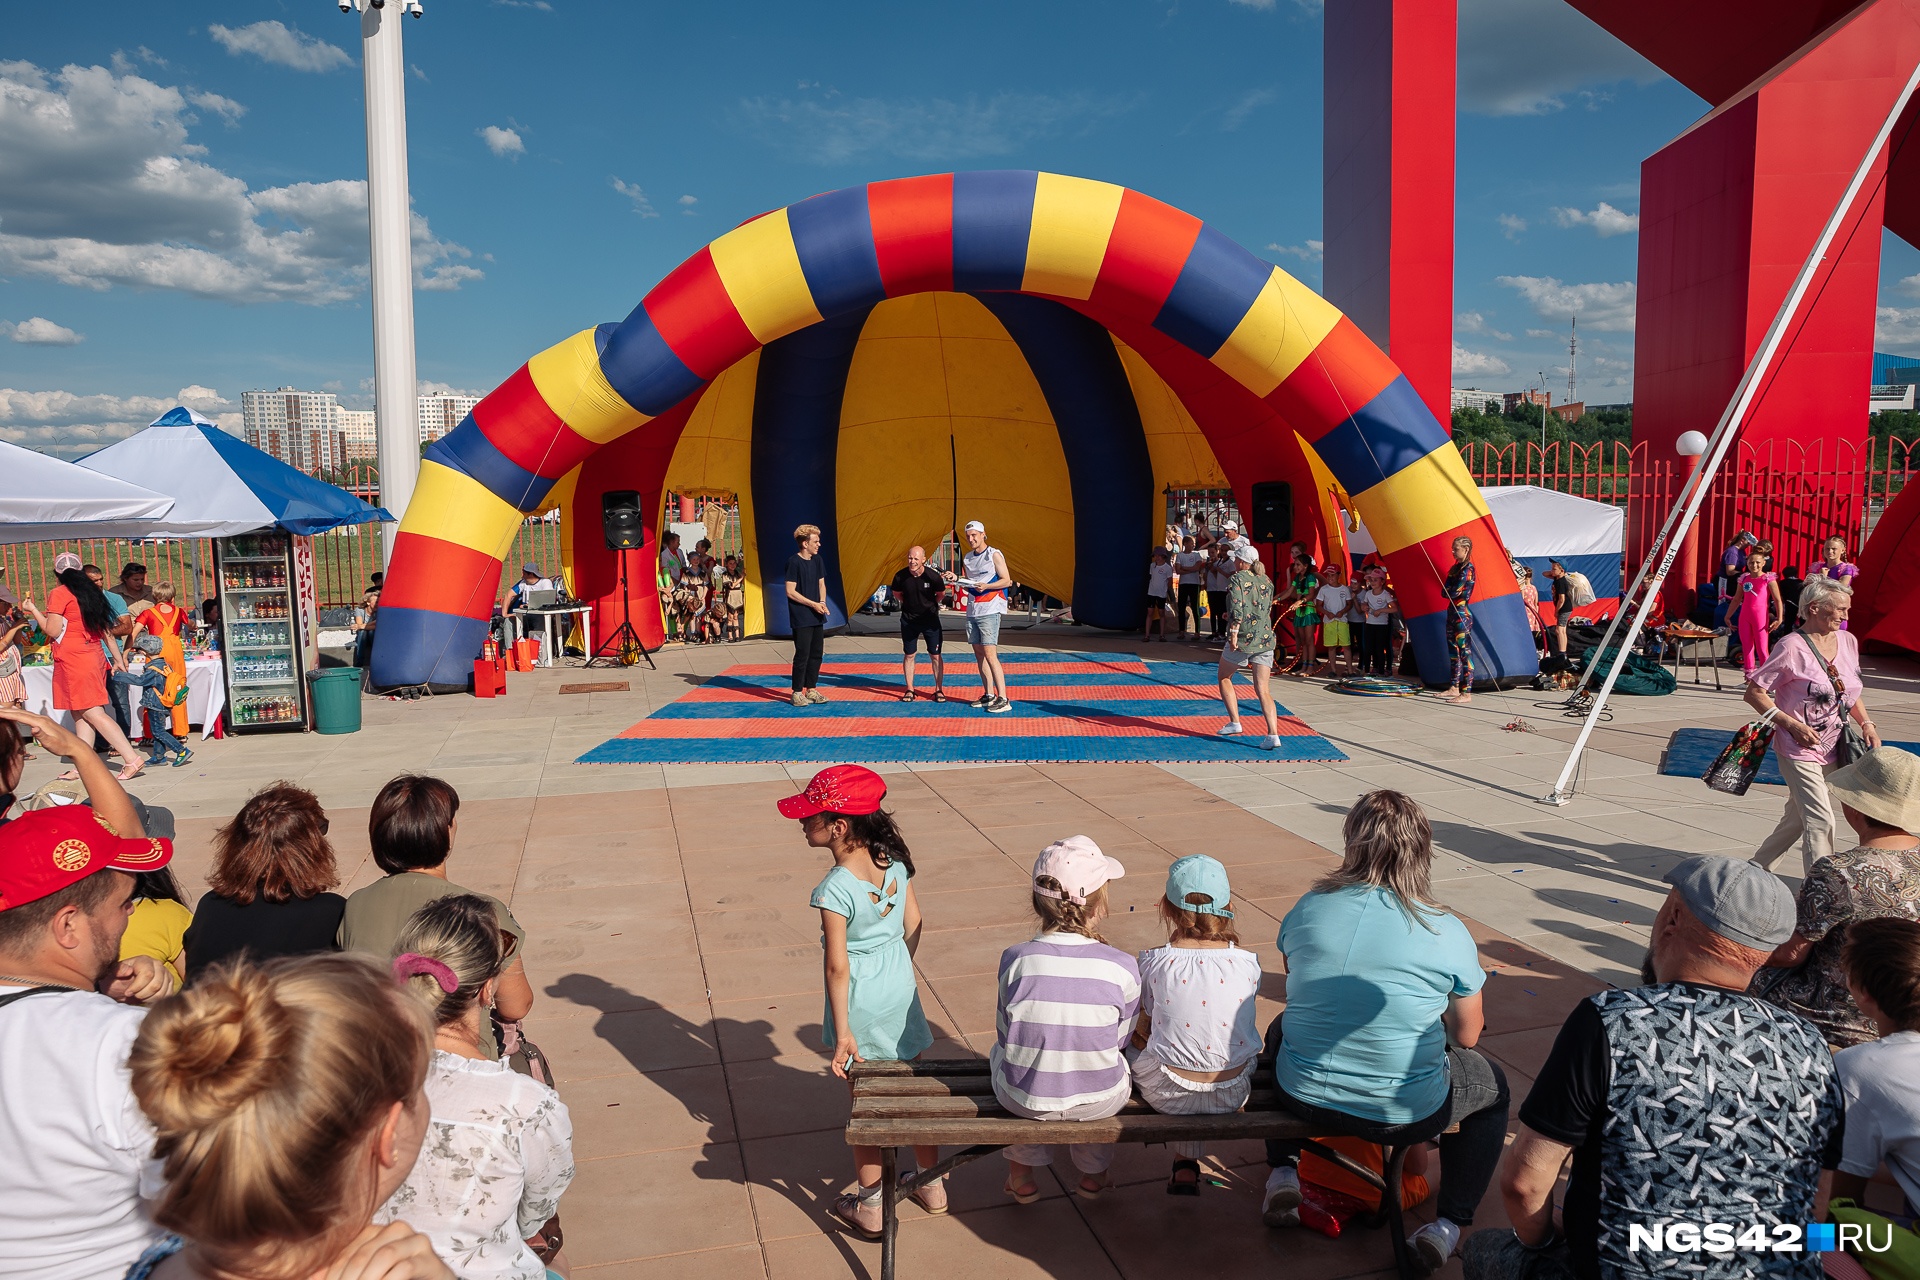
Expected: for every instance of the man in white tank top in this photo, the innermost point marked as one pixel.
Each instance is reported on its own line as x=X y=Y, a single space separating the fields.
x=984 y=579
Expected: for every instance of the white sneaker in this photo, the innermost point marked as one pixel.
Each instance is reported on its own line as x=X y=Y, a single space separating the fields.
x=1271 y=742
x=1231 y=729
x=1434 y=1243
x=1280 y=1207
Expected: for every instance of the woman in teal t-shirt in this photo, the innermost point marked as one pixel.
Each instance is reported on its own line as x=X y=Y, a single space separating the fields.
x=869 y=927
x=1383 y=1011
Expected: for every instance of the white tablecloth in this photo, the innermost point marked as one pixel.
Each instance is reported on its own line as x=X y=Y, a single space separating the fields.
x=206 y=693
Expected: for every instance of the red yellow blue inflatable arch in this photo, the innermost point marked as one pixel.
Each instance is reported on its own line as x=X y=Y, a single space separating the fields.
x=1224 y=327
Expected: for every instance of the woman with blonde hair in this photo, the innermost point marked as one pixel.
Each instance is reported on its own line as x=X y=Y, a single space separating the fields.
x=1383 y=1011
x=501 y=1148
x=286 y=1104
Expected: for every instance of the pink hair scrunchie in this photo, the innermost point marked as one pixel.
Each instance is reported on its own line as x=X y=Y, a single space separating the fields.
x=411 y=964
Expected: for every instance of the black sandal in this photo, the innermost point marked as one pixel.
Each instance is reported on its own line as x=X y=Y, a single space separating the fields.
x=1175 y=1187
x=938 y=696
x=907 y=696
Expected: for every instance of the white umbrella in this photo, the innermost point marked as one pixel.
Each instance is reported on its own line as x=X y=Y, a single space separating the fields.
x=43 y=499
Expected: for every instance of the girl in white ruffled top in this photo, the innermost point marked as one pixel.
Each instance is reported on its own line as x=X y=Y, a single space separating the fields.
x=499 y=1151
x=1194 y=1049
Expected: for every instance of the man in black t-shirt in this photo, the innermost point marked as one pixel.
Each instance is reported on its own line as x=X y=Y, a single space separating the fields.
x=918 y=589
x=1684 y=1103
x=807 y=612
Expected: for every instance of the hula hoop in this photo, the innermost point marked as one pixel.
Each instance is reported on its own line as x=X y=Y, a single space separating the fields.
x=1373 y=687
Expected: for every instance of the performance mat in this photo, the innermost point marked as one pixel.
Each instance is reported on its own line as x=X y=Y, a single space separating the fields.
x=1066 y=706
x=1690 y=752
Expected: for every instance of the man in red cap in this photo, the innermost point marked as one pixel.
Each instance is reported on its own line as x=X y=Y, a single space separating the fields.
x=75 y=1139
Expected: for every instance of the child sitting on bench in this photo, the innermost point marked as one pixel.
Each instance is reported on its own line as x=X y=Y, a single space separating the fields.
x=1194 y=1049
x=1050 y=1065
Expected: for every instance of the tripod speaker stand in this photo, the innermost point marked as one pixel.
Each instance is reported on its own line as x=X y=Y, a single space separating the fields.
x=621 y=524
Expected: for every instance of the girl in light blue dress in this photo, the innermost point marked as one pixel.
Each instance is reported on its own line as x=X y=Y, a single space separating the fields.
x=870 y=926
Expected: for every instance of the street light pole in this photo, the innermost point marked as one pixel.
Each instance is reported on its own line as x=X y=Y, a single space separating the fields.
x=389 y=218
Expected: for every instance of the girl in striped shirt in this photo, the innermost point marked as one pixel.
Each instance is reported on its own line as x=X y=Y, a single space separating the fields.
x=1068 y=1002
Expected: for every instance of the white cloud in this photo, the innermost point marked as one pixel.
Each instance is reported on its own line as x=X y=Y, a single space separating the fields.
x=1477 y=363
x=641 y=204
x=1605 y=220
x=1511 y=225
x=224 y=107
x=1253 y=4
x=430 y=388
x=1474 y=322
x=1250 y=102
x=281 y=45
x=1605 y=307
x=100 y=186
x=836 y=131
x=1311 y=251
x=69 y=424
x=688 y=205
x=1895 y=327
x=502 y=142
x=41 y=332
x=541 y=5
x=1526 y=57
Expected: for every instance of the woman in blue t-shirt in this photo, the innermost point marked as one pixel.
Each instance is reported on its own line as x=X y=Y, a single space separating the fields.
x=1383 y=1011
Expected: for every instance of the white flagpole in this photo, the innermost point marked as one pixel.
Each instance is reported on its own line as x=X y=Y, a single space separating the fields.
x=1694 y=493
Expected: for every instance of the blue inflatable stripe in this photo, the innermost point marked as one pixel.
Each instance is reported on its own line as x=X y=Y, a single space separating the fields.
x=992 y=222
x=1502 y=642
x=833 y=235
x=1213 y=294
x=795 y=455
x=467 y=450
x=1387 y=434
x=405 y=636
x=640 y=365
x=1108 y=467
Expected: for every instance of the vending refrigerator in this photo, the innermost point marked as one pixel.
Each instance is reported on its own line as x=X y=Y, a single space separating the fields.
x=260 y=633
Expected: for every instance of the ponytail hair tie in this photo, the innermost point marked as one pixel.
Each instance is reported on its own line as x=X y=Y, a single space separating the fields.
x=411 y=964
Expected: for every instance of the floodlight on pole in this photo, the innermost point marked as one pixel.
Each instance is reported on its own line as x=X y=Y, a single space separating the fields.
x=389 y=221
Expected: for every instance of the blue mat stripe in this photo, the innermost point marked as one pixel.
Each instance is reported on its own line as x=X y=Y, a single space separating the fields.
x=1690 y=752
x=1156 y=708
x=913 y=750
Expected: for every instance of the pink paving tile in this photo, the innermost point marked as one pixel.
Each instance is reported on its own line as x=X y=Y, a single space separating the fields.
x=657 y=1202
x=661 y=1110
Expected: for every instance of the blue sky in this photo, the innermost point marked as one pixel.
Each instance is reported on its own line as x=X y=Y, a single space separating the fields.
x=179 y=209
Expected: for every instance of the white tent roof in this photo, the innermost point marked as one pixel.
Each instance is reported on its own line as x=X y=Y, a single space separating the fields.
x=1541 y=522
x=43 y=499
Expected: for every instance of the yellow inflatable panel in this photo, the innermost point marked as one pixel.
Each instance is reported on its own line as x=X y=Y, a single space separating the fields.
x=1421 y=500
x=459 y=509
x=715 y=455
x=1286 y=322
x=1182 y=458
x=761 y=271
x=1072 y=221
x=935 y=382
x=568 y=377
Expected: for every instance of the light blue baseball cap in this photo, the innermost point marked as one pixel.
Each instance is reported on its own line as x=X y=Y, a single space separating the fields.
x=1197 y=873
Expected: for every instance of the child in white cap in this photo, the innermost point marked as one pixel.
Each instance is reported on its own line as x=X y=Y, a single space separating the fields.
x=1194 y=1049
x=1067 y=1006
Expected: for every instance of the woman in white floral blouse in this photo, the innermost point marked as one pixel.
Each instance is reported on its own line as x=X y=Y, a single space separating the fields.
x=499 y=1152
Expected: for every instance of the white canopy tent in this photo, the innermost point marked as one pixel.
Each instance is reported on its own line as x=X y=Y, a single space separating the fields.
x=44 y=499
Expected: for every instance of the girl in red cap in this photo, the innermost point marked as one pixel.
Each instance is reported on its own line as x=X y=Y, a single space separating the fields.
x=870 y=926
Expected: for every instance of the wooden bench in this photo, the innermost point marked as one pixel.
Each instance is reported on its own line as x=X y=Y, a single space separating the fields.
x=950 y=1103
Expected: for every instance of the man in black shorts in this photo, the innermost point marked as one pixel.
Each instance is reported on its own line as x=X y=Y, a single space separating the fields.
x=918 y=589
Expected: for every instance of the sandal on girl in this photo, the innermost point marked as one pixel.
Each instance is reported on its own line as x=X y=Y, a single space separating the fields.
x=931 y=1197
x=907 y=696
x=1022 y=1192
x=939 y=696
x=859 y=1212
x=1092 y=1184
x=1178 y=1186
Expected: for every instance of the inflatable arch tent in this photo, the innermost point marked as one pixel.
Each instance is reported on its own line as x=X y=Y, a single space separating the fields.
x=1034 y=351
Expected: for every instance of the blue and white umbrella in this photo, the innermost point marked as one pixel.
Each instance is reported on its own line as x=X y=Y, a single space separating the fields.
x=221 y=485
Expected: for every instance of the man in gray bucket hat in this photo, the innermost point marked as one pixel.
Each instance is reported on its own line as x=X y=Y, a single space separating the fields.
x=1683 y=1101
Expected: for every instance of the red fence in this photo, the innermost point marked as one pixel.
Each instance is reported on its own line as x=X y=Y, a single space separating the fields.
x=1792 y=495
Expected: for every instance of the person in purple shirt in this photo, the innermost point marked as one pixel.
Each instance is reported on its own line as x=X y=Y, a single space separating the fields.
x=1049 y=1067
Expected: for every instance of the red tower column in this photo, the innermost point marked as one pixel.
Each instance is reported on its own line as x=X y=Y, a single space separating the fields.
x=1388 y=185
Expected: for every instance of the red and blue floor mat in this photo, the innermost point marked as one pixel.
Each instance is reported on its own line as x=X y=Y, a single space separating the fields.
x=1110 y=707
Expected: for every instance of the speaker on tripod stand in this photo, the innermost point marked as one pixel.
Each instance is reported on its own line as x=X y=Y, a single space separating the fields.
x=624 y=531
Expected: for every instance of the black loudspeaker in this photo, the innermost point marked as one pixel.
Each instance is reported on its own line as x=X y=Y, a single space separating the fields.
x=1271 y=519
x=620 y=519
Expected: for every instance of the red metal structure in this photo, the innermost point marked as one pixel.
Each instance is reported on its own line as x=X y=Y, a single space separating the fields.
x=1388 y=185
x=1729 y=211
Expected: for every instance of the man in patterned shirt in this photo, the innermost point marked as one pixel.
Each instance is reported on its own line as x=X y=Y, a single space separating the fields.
x=1683 y=1101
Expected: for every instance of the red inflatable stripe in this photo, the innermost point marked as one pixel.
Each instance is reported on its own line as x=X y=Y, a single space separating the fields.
x=1424 y=592
x=1342 y=376
x=519 y=422
x=1148 y=247
x=693 y=312
x=441 y=577
x=913 y=233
